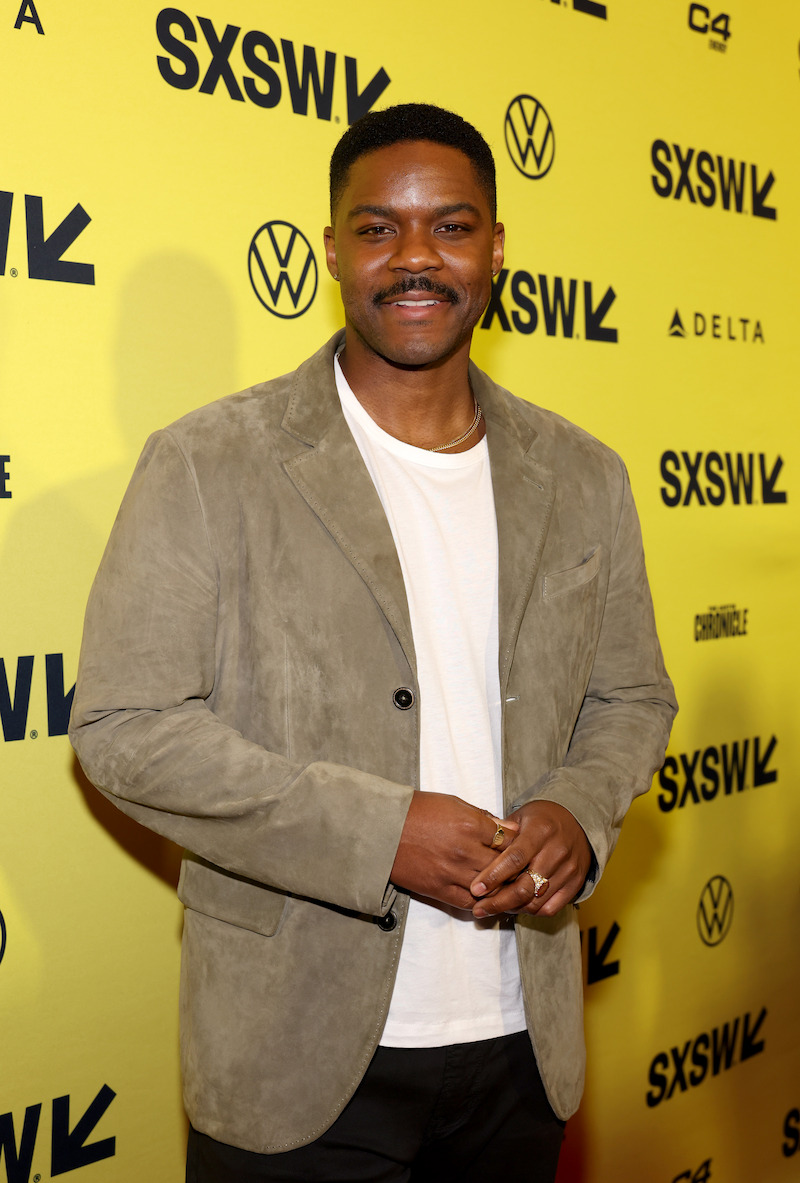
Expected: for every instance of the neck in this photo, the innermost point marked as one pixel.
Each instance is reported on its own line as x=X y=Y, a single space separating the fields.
x=425 y=406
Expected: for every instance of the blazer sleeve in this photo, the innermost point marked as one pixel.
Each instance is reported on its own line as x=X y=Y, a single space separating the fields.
x=624 y=722
x=145 y=735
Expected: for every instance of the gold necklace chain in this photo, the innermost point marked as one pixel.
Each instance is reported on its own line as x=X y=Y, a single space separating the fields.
x=467 y=433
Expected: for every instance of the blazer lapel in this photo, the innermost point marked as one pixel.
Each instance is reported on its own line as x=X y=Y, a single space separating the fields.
x=524 y=492
x=331 y=476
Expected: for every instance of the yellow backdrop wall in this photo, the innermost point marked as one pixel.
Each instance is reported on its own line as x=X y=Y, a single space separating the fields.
x=162 y=194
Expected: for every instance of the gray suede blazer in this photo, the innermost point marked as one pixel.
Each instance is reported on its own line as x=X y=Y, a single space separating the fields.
x=244 y=638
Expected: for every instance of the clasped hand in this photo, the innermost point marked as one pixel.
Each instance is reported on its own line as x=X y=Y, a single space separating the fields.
x=446 y=853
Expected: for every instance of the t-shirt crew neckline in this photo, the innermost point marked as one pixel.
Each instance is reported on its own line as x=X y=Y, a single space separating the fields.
x=399 y=448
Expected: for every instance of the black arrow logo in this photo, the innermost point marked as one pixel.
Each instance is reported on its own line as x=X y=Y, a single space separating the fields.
x=44 y=254
x=598 y=967
x=768 y=494
x=594 y=317
x=760 y=774
x=750 y=1047
x=68 y=1147
x=359 y=104
x=6 y=202
x=676 y=328
x=760 y=208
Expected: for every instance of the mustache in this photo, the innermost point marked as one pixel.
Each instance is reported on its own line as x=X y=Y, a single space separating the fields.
x=416 y=283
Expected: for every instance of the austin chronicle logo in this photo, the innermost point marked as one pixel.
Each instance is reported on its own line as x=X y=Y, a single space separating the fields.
x=715 y=911
x=283 y=270
x=530 y=138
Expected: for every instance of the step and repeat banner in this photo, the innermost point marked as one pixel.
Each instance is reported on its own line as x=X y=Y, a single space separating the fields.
x=163 y=188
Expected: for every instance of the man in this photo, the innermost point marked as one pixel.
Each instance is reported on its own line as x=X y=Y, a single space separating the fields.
x=346 y=621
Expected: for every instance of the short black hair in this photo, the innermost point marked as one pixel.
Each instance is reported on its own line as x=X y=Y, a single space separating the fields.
x=412 y=121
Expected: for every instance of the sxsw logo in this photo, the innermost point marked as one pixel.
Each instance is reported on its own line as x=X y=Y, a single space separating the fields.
x=530 y=138
x=715 y=910
x=791 y=1133
x=5 y=477
x=14 y=704
x=262 y=84
x=283 y=269
x=590 y=7
x=700 y=1174
x=737 y=328
x=701 y=776
x=2 y=936
x=69 y=1148
x=559 y=303
x=711 y=180
x=45 y=253
x=598 y=954
x=710 y=1053
x=733 y=479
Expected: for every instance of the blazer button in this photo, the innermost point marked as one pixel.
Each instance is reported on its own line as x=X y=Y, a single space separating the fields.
x=403 y=698
x=386 y=923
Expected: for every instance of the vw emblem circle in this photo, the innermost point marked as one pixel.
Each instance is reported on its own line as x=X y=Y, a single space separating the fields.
x=715 y=910
x=530 y=138
x=283 y=269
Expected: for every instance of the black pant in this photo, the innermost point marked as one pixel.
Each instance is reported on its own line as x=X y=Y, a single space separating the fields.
x=471 y=1112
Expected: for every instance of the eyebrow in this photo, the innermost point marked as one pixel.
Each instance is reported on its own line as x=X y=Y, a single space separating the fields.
x=442 y=211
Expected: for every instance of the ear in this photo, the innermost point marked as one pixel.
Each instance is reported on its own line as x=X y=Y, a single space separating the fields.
x=498 y=246
x=330 y=251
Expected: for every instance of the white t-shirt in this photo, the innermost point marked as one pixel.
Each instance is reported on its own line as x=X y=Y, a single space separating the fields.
x=458 y=978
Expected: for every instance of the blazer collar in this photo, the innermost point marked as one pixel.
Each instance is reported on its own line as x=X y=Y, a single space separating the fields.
x=524 y=493
x=332 y=477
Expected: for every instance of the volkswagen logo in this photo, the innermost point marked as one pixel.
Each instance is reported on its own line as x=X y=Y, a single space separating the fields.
x=715 y=910
x=283 y=270
x=530 y=138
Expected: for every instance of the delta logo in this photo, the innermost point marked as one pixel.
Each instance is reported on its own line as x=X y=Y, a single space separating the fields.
x=717 y=327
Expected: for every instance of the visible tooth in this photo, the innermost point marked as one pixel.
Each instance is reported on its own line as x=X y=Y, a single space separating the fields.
x=416 y=303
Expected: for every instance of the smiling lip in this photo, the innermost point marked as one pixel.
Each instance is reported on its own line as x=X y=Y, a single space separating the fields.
x=416 y=307
x=416 y=302
x=416 y=293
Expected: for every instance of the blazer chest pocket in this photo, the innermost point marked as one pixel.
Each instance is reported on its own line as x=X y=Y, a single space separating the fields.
x=214 y=892
x=558 y=583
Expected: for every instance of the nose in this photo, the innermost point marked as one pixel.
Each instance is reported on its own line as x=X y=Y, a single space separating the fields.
x=416 y=250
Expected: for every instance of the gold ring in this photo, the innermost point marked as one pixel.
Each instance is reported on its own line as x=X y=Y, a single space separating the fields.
x=540 y=884
x=499 y=835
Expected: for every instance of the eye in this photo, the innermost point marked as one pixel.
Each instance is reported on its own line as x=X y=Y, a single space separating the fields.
x=452 y=228
x=376 y=231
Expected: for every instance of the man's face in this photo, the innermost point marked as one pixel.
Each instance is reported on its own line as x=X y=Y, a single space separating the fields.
x=414 y=247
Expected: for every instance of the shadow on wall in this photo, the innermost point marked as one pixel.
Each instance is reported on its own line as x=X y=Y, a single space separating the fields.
x=743 y=983
x=176 y=344
x=174 y=349
x=156 y=854
x=572 y=1163
x=636 y=864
